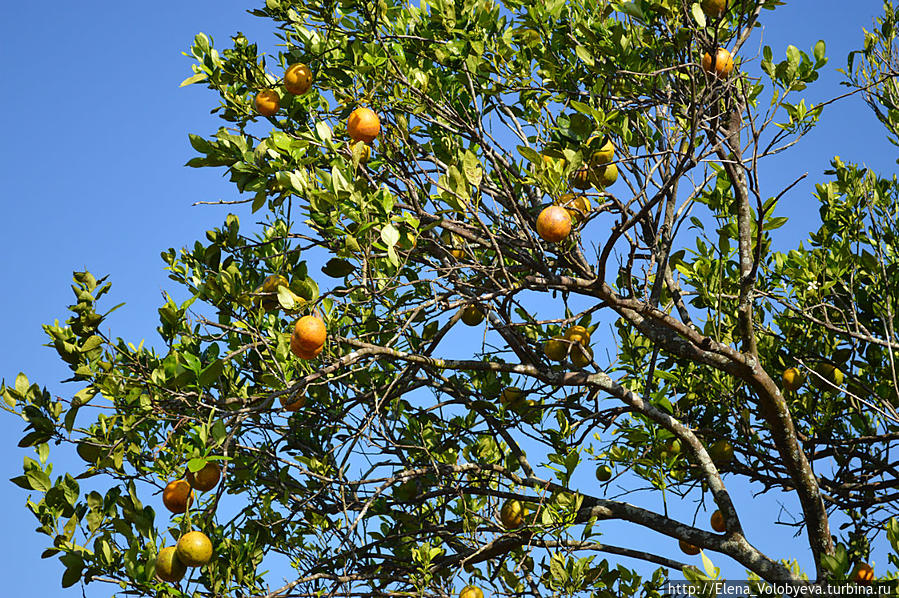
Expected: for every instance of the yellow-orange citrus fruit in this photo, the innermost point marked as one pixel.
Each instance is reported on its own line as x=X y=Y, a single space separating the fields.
x=603 y=473
x=604 y=155
x=722 y=66
x=298 y=79
x=578 y=207
x=364 y=151
x=553 y=224
x=721 y=452
x=271 y=283
x=267 y=102
x=511 y=397
x=717 y=521
x=309 y=334
x=177 y=495
x=608 y=174
x=556 y=348
x=206 y=478
x=714 y=8
x=581 y=356
x=302 y=353
x=453 y=242
x=688 y=548
x=792 y=379
x=292 y=403
x=471 y=592
x=578 y=334
x=194 y=549
x=168 y=566
x=472 y=315
x=363 y=125
x=863 y=573
x=512 y=514
x=581 y=179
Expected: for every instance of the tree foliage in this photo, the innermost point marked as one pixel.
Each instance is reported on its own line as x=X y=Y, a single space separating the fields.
x=415 y=429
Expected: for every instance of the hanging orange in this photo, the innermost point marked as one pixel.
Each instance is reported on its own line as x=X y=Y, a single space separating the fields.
x=363 y=125
x=298 y=79
x=267 y=102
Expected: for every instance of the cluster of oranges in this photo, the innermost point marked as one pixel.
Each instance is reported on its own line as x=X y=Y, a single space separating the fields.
x=363 y=125
x=193 y=549
x=574 y=344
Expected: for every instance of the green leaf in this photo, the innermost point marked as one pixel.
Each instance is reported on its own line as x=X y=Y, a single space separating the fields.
x=323 y=131
x=22 y=384
x=195 y=465
x=286 y=298
x=212 y=371
x=338 y=268
x=530 y=154
x=584 y=55
x=819 y=50
x=193 y=79
x=38 y=479
x=390 y=235
x=698 y=15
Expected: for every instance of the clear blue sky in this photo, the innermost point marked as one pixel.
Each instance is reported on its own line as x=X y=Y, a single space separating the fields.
x=95 y=138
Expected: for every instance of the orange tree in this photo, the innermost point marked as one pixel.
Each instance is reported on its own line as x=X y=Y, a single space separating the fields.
x=413 y=155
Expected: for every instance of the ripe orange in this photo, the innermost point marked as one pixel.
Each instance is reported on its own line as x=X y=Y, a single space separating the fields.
x=723 y=64
x=309 y=334
x=298 y=79
x=577 y=207
x=578 y=334
x=581 y=356
x=714 y=8
x=302 y=353
x=194 y=549
x=271 y=283
x=471 y=592
x=688 y=548
x=292 y=403
x=792 y=379
x=607 y=176
x=267 y=102
x=863 y=573
x=206 y=478
x=553 y=224
x=472 y=315
x=603 y=155
x=363 y=125
x=717 y=521
x=556 y=348
x=581 y=179
x=177 y=495
x=168 y=566
x=512 y=514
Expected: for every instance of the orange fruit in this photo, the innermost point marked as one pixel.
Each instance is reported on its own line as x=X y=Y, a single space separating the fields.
x=577 y=207
x=717 y=521
x=194 y=549
x=168 y=566
x=271 y=283
x=363 y=125
x=206 y=478
x=471 y=592
x=453 y=241
x=603 y=155
x=581 y=179
x=298 y=79
x=511 y=397
x=309 y=334
x=267 y=102
x=302 y=353
x=177 y=495
x=688 y=548
x=722 y=66
x=603 y=473
x=292 y=403
x=607 y=176
x=792 y=379
x=556 y=348
x=553 y=224
x=863 y=573
x=714 y=8
x=472 y=315
x=512 y=514
x=581 y=356
x=578 y=334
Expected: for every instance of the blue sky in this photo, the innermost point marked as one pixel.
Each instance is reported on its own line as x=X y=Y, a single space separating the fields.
x=92 y=164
